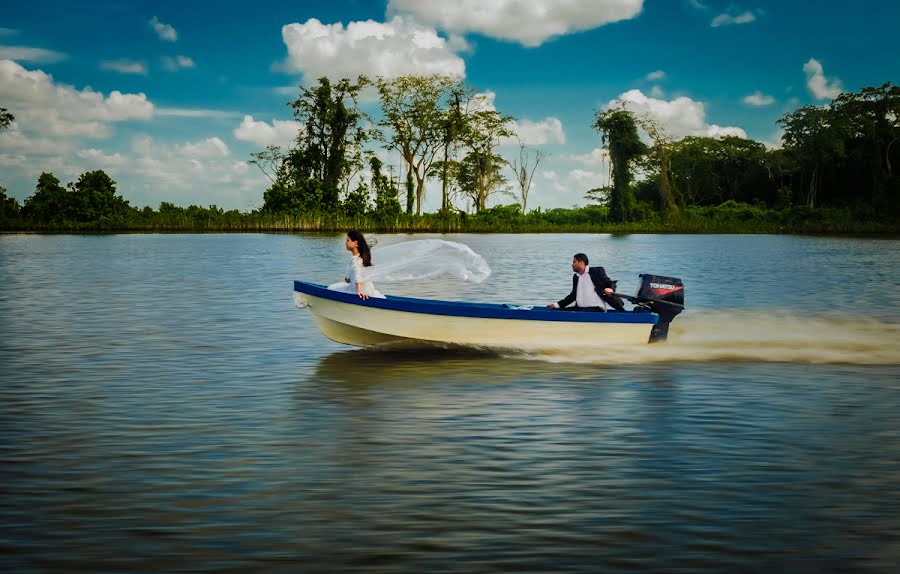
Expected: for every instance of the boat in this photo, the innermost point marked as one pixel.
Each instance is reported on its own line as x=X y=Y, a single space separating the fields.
x=348 y=319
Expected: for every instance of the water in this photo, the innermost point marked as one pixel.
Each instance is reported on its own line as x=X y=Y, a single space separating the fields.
x=163 y=406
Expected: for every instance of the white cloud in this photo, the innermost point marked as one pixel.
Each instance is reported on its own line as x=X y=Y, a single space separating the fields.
x=528 y=22
x=390 y=49
x=47 y=109
x=201 y=172
x=286 y=90
x=679 y=117
x=177 y=63
x=164 y=31
x=100 y=159
x=210 y=147
x=459 y=44
x=530 y=132
x=758 y=99
x=821 y=87
x=548 y=130
x=280 y=133
x=14 y=141
x=125 y=66
x=655 y=76
x=657 y=92
x=567 y=189
x=730 y=20
x=33 y=55
x=595 y=158
x=195 y=113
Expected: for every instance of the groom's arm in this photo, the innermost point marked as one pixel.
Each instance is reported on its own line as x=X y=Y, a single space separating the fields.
x=601 y=279
x=569 y=299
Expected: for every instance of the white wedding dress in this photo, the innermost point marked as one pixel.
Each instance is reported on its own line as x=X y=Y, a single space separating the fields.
x=357 y=273
x=417 y=260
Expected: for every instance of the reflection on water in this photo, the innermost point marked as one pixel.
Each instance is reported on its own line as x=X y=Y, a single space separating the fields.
x=163 y=407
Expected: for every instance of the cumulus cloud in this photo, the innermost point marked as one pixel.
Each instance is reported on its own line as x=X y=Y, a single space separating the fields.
x=529 y=132
x=758 y=99
x=32 y=55
x=177 y=63
x=655 y=76
x=49 y=109
x=101 y=160
x=210 y=147
x=548 y=130
x=195 y=113
x=567 y=188
x=679 y=117
x=200 y=172
x=280 y=132
x=821 y=87
x=528 y=22
x=731 y=19
x=595 y=158
x=165 y=32
x=125 y=66
x=399 y=47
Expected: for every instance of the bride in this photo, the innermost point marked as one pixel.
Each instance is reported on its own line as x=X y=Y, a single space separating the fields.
x=357 y=278
x=416 y=260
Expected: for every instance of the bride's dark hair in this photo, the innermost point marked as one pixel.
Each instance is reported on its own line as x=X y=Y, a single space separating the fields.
x=361 y=246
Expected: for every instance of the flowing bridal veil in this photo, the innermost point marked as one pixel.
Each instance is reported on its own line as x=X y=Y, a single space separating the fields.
x=425 y=259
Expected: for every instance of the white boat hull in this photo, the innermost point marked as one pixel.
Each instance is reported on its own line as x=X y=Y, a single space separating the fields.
x=357 y=323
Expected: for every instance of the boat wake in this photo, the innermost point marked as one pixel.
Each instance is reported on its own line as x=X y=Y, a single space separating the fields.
x=752 y=336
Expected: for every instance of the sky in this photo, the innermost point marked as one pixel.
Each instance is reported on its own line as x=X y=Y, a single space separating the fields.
x=171 y=98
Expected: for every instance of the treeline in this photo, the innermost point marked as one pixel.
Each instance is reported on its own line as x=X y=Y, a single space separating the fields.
x=91 y=203
x=842 y=156
x=836 y=172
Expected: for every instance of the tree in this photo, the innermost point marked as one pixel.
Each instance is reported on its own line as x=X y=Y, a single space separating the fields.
x=662 y=152
x=49 y=203
x=6 y=118
x=93 y=198
x=871 y=122
x=524 y=175
x=357 y=203
x=302 y=198
x=387 y=206
x=414 y=113
x=9 y=206
x=817 y=140
x=598 y=195
x=270 y=162
x=454 y=127
x=479 y=176
x=709 y=171
x=618 y=131
x=410 y=190
x=329 y=145
x=480 y=172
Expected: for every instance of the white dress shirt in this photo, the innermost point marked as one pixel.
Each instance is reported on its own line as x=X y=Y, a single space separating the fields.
x=585 y=294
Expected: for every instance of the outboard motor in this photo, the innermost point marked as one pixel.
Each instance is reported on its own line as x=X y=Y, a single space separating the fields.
x=663 y=296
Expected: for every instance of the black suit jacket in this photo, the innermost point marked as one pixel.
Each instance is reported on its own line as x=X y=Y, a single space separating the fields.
x=601 y=282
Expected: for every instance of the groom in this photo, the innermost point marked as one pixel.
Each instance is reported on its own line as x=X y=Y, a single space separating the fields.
x=591 y=288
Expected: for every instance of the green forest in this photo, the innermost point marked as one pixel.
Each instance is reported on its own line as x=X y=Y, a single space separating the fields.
x=835 y=173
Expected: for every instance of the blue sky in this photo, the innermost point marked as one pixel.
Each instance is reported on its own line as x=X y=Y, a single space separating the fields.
x=171 y=98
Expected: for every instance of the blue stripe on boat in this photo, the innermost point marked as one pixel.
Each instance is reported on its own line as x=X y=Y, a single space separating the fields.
x=481 y=310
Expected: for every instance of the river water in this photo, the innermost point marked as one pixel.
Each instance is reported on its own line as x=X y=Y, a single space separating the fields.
x=165 y=407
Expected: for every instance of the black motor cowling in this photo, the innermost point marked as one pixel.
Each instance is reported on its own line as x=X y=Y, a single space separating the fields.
x=665 y=297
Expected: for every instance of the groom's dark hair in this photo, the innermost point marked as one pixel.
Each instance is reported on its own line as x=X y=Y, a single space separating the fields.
x=581 y=257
